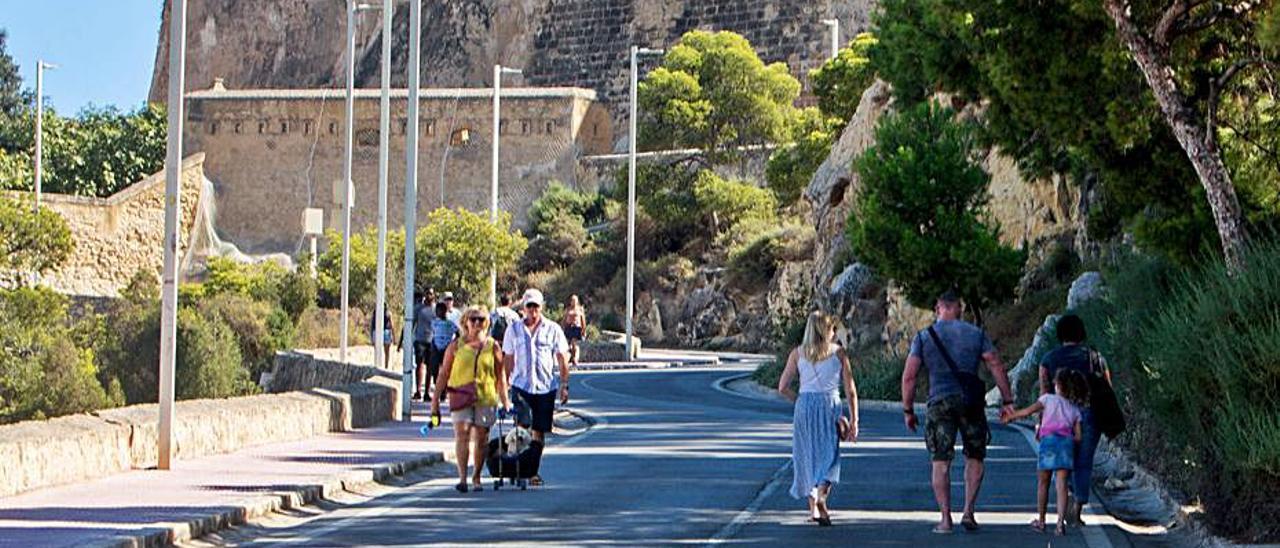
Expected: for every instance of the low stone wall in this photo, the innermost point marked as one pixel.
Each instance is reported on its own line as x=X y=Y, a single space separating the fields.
x=302 y=371
x=37 y=454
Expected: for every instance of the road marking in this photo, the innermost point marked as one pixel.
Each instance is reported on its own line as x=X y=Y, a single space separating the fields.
x=444 y=485
x=747 y=514
x=1094 y=537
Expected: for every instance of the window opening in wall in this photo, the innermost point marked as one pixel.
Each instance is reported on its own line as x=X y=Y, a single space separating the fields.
x=460 y=137
x=404 y=126
x=524 y=127
x=213 y=128
x=551 y=127
x=333 y=128
x=284 y=127
x=306 y=127
x=237 y=127
x=431 y=127
x=262 y=127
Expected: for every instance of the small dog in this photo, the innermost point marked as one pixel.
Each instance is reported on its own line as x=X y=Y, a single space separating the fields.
x=517 y=440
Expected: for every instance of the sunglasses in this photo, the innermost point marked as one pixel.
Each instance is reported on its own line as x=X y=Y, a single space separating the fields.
x=476 y=319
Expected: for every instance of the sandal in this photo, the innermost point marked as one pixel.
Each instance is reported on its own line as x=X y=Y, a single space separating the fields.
x=940 y=530
x=1060 y=530
x=1037 y=526
x=477 y=487
x=969 y=523
x=536 y=481
x=824 y=522
x=461 y=487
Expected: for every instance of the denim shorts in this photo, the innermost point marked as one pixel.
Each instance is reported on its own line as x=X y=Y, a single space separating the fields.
x=1056 y=453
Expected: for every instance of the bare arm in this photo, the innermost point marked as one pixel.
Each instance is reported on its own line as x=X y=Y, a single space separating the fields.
x=442 y=379
x=850 y=392
x=789 y=375
x=909 y=373
x=996 y=366
x=1079 y=433
x=1044 y=380
x=500 y=377
x=563 y=359
x=1025 y=412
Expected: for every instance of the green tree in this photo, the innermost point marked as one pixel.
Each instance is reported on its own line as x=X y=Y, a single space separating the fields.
x=792 y=165
x=712 y=92
x=919 y=215
x=724 y=204
x=12 y=98
x=840 y=82
x=31 y=241
x=457 y=248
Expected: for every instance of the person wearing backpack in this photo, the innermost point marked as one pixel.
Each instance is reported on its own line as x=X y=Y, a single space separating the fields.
x=1100 y=416
x=950 y=351
x=502 y=317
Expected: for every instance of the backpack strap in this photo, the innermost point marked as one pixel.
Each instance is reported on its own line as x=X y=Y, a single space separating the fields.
x=937 y=342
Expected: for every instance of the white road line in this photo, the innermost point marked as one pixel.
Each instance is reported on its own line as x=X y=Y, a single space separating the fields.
x=1094 y=537
x=747 y=514
x=444 y=486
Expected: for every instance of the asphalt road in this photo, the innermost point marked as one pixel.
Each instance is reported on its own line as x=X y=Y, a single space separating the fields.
x=675 y=461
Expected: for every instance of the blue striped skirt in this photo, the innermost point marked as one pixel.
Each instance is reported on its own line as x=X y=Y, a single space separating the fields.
x=815 y=444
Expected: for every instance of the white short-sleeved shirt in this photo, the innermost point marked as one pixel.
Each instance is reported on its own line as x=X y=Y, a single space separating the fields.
x=535 y=355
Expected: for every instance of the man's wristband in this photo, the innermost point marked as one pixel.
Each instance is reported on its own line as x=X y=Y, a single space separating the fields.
x=1007 y=402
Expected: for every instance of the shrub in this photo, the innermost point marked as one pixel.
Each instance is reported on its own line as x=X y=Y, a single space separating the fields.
x=753 y=265
x=209 y=364
x=722 y=203
x=259 y=328
x=561 y=240
x=792 y=166
x=840 y=82
x=30 y=242
x=558 y=200
x=457 y=248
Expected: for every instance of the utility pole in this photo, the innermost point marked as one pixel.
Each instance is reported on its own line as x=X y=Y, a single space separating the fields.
x=835 y=36
x=411 y=205
x=348 y=185
x=498 y=71
x=39 y=159
x=172 y=209
x=631 y=195
x=384 y=150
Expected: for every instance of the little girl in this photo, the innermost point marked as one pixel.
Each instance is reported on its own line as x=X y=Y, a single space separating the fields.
x=1058 y=433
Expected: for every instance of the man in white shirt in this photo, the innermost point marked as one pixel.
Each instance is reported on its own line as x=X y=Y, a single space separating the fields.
x=532 y=348
x=454 y=314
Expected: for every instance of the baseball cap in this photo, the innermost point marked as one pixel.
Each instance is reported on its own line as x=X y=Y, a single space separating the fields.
x=447 y=296
x=532 y=296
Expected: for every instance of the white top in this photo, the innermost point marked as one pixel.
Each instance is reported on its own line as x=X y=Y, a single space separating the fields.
x=820 y=377
x=535 y=355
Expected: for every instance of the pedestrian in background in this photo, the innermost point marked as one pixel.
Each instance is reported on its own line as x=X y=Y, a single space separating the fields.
x=452 y=313
x=951 y=350
x=503 y=317
x=475 y=383
x=575 y=326
x=818 y=423
x=1074 y=355
x=533 y=348
x=443 y=332
x=423 y=314
x=1059 y=433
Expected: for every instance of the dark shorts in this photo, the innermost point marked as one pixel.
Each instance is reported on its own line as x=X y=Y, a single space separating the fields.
x=542 y=408
x=573 y=333
x=421 y=352
x=434 y=358
x=949 y=415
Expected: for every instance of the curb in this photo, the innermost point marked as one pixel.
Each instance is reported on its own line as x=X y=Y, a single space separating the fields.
x=166 y=534
x=723 y=385
x=644 y=365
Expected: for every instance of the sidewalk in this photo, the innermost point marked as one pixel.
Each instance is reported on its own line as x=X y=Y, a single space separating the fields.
x=145 y=507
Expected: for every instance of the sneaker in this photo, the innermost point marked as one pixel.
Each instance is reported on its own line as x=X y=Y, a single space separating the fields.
x=417 y=395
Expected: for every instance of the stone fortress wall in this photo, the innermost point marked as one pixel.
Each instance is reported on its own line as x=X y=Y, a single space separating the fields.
x=273 y=153
x=289 y=44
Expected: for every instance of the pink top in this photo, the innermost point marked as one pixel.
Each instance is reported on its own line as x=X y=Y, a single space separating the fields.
x=1059 y=417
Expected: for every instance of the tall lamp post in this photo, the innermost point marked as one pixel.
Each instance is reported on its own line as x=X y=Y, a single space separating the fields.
x=349 y=186
x=39 y=159
x=384 y=149
x=172 y=207
x=498 y=71
x=835 y=36
x=636 y=52
x=411 y=204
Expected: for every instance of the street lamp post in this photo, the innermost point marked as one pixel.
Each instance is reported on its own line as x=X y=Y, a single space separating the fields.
x=631 y=195
x=835 y=36
x=411 y=204
x=348 y=185
x=172 y=207
x=39 y=159
x=384 y=149
x=498 y=71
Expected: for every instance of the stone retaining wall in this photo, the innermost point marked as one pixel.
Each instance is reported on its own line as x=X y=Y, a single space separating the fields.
x=36 y=454
x=302 y=371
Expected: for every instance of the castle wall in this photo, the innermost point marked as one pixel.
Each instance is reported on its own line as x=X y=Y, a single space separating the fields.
x=273 y=153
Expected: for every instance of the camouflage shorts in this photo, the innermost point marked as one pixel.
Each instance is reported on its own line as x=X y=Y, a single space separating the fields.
x=947 y=416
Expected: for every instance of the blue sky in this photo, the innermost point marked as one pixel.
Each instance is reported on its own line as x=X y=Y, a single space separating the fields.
x=104 y=49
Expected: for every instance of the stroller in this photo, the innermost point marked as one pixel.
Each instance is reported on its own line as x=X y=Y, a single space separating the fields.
x=518 y=468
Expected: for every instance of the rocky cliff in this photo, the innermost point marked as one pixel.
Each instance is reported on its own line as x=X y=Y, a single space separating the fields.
x=299 y=43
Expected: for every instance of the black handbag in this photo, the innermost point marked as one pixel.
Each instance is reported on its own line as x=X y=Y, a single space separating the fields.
x=1107 y=414
x=972 y=388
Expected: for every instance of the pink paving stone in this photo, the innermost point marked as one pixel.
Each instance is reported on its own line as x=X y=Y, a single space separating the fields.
x=140 y=501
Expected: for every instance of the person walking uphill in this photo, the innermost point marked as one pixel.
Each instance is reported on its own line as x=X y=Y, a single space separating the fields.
x=818 y=424
x=532 y=349
x=476 y=384
x=950 y=350
x=1101 y=414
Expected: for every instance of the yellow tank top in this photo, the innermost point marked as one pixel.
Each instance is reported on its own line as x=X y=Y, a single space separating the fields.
x=466 y=368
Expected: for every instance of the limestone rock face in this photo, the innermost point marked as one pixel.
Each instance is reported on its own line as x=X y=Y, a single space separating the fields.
x=1085 y=288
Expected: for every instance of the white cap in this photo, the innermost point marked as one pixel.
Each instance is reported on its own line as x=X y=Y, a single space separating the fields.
x=448 y=295
x=532 y=296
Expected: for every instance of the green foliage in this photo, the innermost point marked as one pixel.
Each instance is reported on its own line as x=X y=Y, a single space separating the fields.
x=267 y=282
x=712 y=92
x=30 y=241
x=260 y=329
x=561 y=240
x=12 y=98
x=457 y=248
x=919 y=216
x=840 y=82
x=208 y=359
x=558 y=201
x=752 y=265
x=98 y=153
x=792 y=166
x=42 y=373
x=723 y=204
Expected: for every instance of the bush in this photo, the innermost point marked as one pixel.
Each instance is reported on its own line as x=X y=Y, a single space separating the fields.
x=558 y=201
x=30 y=242
x=840 y=82
x=792 y=166
x=318 y=328
x=722 y=203
x=457 y=248
x=209 y=364
x=879 y=377
x=753 y=265
x=561 y=240
x=259 y=328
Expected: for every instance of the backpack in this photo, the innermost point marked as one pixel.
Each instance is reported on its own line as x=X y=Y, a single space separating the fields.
x=499 y=328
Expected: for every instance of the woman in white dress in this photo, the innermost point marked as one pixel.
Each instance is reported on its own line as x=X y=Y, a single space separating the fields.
x=818 y=423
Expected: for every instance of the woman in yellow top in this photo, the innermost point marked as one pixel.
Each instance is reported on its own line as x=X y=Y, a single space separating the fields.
x=472 y=358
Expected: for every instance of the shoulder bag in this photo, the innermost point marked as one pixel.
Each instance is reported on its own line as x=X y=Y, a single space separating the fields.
x=971 y=385
x=1107 y=414
x=464 y=396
